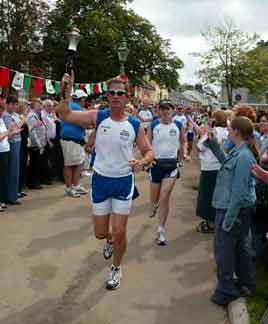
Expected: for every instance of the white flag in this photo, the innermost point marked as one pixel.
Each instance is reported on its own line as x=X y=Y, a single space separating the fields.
x=18 y=80
x=100 y=88
x=87 y=87
x=49 y=87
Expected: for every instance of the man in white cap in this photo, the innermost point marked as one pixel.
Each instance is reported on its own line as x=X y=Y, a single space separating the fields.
x=72 y=139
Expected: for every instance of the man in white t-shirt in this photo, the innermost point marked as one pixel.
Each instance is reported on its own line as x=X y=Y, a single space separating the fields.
x=112 y=183
x=145 y=116
x=180 y=117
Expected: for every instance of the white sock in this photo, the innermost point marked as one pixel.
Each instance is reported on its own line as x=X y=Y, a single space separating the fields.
x=160 y=228
x=116 y=268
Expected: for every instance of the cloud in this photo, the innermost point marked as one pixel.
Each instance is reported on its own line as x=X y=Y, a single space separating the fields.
x=182 y=21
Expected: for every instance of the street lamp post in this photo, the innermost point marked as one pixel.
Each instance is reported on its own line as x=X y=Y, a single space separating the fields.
x=123 y=52
x=74 y=38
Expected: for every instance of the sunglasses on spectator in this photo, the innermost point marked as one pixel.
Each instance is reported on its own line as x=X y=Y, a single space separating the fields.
x=118 y=93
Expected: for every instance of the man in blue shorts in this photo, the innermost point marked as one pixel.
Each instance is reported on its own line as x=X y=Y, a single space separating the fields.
x=114 y=166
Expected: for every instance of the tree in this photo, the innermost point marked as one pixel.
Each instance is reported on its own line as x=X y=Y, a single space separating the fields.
x=21 y=30
x=104 y=24
x=226 y=62
x=254 y=75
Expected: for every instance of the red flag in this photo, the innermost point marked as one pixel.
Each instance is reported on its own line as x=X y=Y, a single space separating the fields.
x=124 y=77
x=96 y=88
x=38 y=86
x=4 y=77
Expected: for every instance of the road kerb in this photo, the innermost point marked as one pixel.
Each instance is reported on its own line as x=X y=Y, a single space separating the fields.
x=238 y=312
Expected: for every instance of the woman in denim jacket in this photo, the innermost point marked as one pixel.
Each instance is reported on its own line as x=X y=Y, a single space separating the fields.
x=235 y=199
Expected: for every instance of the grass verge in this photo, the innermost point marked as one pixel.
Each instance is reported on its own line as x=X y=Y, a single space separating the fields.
x=258 y=304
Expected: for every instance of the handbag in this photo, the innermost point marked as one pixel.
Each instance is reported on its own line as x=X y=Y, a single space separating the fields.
x=262 y=195
x=167 y=164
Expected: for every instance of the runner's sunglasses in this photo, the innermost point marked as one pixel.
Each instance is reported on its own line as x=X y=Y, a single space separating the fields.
x=118 y=93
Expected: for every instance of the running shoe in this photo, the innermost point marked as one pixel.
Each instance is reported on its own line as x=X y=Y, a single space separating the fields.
x=70 y=192
x=113 y=281
x=153 y=211
x=161 y=238
x=85 y=173
x=80 y=190
x=108 y=249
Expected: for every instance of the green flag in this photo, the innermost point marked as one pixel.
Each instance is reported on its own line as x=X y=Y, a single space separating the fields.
x=27 y=83
x=57 y=87
x=104 y=86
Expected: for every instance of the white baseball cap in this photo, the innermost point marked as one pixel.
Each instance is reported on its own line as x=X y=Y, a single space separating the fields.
x=79 y=94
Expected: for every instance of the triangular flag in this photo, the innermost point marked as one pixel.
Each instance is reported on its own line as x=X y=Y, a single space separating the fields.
x=57 y=87
x=38 y=86
x=91 y=88
x=87 y=87
x=18 y=81
x=27 y=83
x=96 y=88
x=49 y=87
x=4 y=77
x=100 y=88
x=76 y=86
x=104 y=86
x=81 y=86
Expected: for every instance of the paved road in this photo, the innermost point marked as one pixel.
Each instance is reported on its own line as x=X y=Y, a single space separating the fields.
x=52 y=270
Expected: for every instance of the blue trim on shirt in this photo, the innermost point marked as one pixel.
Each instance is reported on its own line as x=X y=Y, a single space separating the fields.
x=101 y=115
x=178 y=124
x=135 y=124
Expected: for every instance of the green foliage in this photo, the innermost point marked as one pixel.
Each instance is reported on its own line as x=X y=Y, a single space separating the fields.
x=21 y=29
x=104 y=24
x=227 y=62
x=29 y=31
x=258 y=304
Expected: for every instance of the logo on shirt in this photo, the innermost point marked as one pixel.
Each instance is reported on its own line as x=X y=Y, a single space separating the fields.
x=172 y=132
x=124 y=135
x=105 y=129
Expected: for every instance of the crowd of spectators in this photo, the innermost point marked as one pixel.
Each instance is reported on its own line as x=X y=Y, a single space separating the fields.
x=36 y=148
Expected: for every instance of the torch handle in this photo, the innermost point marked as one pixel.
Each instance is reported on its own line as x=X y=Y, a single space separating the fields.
x=69 y=68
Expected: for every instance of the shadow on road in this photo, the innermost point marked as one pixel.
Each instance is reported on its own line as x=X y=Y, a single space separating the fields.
x=61 y=241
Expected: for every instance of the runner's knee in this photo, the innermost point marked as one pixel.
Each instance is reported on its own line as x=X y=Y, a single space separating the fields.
x=118 y=234
x=101 y=234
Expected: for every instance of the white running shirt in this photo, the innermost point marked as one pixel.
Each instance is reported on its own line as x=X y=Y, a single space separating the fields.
x=182 y=119
x=166 y=139
x=114 y=145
